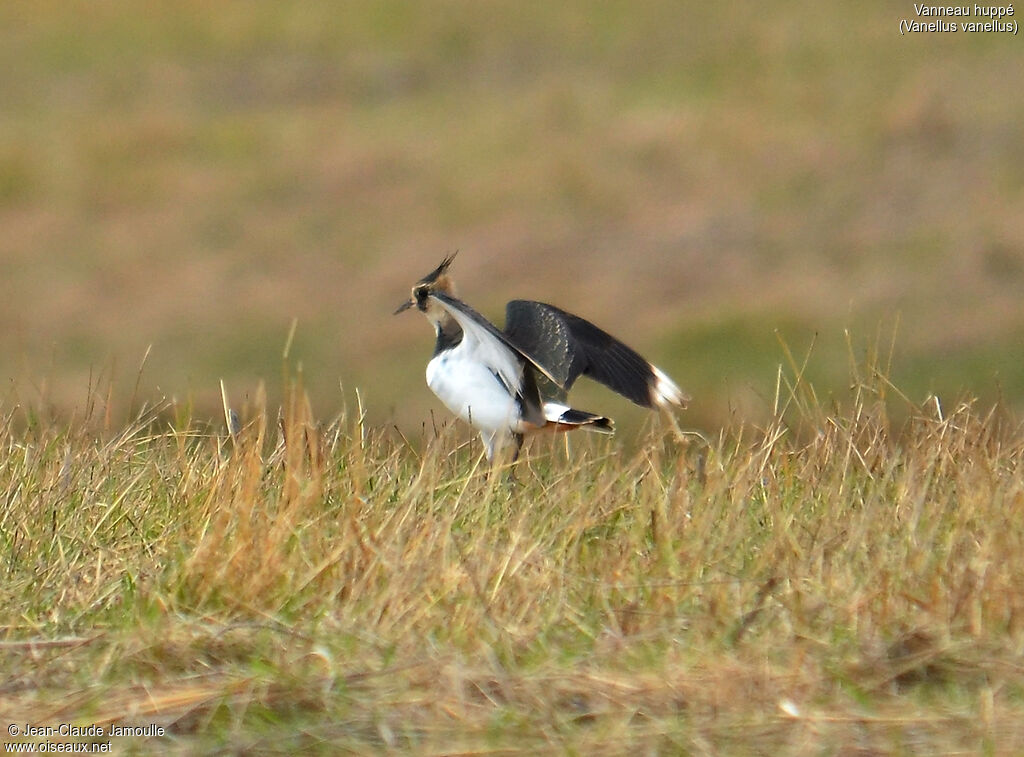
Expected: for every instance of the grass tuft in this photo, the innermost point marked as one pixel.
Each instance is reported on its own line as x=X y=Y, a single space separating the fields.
x=833 y=578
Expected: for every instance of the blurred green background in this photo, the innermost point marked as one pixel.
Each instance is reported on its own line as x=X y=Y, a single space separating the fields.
x=692 y=176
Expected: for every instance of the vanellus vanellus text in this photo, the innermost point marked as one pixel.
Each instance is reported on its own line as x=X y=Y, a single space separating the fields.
x=493 y=379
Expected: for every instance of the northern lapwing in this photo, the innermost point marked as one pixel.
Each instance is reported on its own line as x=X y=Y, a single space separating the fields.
x=492 y=379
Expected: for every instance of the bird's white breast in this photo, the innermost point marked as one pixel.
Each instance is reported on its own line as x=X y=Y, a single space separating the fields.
x=471 y=390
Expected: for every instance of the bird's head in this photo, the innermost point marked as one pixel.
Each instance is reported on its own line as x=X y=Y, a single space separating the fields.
x=435 y=281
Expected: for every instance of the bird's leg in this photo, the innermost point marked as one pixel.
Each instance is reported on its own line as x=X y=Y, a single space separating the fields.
x=518 y=440
x=489 y=450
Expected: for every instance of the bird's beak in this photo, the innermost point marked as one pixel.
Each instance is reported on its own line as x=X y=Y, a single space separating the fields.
x=404 y=306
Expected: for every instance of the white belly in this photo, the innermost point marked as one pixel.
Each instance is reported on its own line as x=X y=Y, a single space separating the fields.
x=472 y=391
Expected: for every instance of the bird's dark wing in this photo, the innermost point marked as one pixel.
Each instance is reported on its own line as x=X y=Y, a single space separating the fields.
x=499 y=353
x=568 y=347
x=483 y=330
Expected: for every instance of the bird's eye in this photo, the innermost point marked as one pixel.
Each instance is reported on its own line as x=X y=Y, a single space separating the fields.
x=420 y=293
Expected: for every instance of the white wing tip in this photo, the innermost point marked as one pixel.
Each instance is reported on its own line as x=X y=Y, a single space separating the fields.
x=665 y=392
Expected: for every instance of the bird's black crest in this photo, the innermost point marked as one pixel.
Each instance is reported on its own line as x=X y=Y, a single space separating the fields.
x=440 y=271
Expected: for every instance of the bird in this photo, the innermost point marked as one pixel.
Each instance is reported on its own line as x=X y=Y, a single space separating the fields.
x=513 y=382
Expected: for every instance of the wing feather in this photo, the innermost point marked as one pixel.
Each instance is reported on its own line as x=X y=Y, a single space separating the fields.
x=487 y=334
x=568 y=347
x=510 y=364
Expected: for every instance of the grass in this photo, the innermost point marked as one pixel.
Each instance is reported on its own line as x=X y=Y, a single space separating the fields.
x=832 y=582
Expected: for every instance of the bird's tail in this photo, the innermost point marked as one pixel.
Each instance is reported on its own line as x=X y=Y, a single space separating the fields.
x=564 y=418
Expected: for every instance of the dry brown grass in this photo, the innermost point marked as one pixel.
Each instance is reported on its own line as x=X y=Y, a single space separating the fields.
x=826 y=584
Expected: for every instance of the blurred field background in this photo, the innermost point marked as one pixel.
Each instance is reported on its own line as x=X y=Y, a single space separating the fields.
x=717 y=184
x=695 y=177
